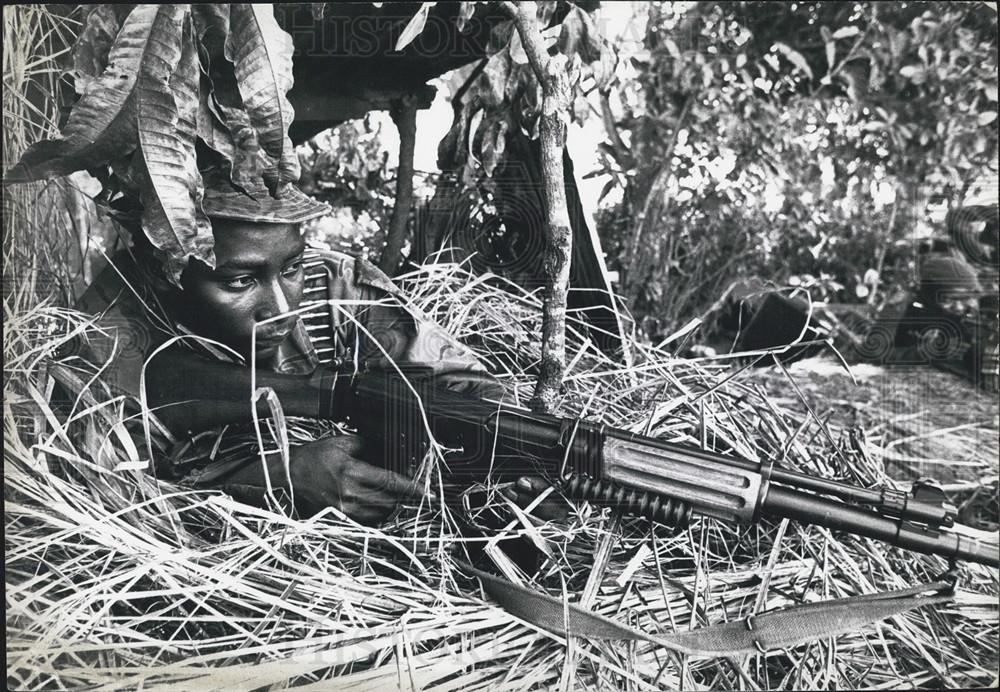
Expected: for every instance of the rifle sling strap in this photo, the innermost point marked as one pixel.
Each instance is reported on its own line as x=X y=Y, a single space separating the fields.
x=777 y=629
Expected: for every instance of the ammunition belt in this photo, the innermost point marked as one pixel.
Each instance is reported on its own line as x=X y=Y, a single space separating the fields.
x=320 y=319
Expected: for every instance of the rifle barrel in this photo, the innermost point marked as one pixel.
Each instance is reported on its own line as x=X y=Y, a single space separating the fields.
x=786 y=503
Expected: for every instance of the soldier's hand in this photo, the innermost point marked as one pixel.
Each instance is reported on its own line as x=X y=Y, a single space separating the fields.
x=328 y=473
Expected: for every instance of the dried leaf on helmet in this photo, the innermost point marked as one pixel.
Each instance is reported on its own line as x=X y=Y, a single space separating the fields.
x=212 y=132
x=102 y=124
x=224 y=125
x=167 y=112
x=261 y=53
x=152 y=81
x=90 y=54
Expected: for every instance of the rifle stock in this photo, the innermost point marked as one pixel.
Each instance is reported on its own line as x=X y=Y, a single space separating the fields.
x=640 y=475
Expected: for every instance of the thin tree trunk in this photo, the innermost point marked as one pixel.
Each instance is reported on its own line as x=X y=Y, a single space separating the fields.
x=552 y=75
x=405 y=117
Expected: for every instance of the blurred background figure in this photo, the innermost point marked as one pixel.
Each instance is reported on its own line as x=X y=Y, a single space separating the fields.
x=974 y=229
x=941 y=326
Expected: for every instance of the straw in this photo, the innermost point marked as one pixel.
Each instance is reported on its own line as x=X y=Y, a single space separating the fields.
x=116 y=580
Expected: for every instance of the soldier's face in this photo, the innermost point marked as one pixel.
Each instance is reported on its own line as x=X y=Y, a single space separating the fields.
x=258 y=275
x=958 y=303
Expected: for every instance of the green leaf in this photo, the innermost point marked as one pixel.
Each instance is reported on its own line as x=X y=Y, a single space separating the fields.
x=579 y=35
x=707 y=75
x=604 y=69
x=545 y=9
x=915 y=73
x=101 y=127
x=474 y=135
x=496 y=76
x=516 y=49
x=465 y=12
x=830 y=46
x=493 y=143
x=986 y=118
x=854 y=78
x=581 y=109
x=846 y=32
x=795 y=57
x=672 y=48
x=414 y=26
x=261 y=53
x=608 y=187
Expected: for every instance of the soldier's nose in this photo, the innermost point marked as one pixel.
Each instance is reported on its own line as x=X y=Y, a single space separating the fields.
x=275 y=304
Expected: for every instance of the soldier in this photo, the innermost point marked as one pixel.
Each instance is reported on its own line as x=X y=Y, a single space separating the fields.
x=192 y=347
x=940 y=327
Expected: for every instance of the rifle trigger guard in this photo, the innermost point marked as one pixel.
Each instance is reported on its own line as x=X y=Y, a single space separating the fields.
x=565 y=434
x=565 y=441
x=583 y=448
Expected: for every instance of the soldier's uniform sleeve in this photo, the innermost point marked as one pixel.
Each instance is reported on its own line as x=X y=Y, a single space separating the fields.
x=376 y=327
x=125 y=333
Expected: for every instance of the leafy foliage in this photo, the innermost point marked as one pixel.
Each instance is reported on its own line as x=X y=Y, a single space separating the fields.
x=821 y=129
x=155 y=80
x=347 y=167
x=506 y=93
x=416 y=25
x=499 y=97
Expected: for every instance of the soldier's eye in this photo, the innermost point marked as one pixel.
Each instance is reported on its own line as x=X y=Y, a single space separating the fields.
x=239 y=283
x=292 y=268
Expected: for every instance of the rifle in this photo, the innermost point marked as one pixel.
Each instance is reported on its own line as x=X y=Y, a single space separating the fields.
x=639 y=475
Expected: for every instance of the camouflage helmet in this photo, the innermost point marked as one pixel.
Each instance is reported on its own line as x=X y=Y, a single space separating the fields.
x=948 y=274
x=255 y=204
x=225 y=201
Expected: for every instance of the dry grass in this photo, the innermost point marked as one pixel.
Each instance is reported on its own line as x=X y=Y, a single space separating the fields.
x=923 y=421
x=920 y=422
x=115 y=580
x=53 y=238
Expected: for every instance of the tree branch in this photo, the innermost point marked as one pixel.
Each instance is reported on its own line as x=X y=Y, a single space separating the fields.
x=622 y=154
x=508 y=8
x=404 y=114
x=526 y=23
x=552 y=75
